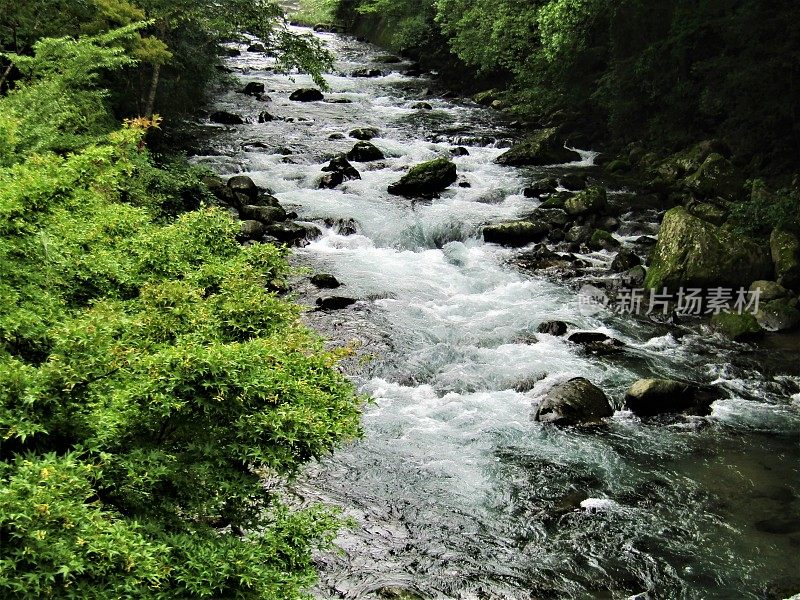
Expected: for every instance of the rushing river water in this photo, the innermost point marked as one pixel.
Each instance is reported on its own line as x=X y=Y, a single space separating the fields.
x=454 y=491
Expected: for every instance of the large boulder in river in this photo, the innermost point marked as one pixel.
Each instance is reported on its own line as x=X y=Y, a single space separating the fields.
x=306 y=95
x=427 y=178
x=515 y=233
x=365 y=152
x=574 y=402
x=545 y=147
x=785 y=248
x=242 y=184
x=649 y=397
x=591 y=201
x=694 y=253
x=342 y=166
x=254 y=88
x=226 y=118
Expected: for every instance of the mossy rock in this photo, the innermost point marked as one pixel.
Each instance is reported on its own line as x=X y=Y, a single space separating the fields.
x=694 y=253
x=768 y=290
x=515 y=233
x=716 y=177
x=554 y=202
x=779 y=315
x=708 y=212
x=737 y=327
x=603 y=240
x=427 y=178
x=545 y=147
x=487 y=97
x=592 y=200
x=618 y=166
x=785 y=249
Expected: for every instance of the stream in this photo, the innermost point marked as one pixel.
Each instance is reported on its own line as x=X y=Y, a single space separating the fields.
x=454 y=491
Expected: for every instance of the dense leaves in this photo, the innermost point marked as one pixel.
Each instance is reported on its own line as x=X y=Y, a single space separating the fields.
x=152 y=382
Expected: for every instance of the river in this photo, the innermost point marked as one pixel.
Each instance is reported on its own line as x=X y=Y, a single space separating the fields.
x=455 y=492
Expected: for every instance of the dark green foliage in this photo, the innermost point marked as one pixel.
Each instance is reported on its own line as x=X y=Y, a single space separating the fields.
x=151 y=384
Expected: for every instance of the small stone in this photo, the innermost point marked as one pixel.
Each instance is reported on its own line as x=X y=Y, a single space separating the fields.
x=334 y=302
x=556 y=328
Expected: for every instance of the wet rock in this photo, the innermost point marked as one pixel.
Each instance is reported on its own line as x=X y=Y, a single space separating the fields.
x=263 y=214
x=556 y=235
x=427 y=178
x=596 y=342
x=265 y=199
x=650 y=397
x=223 y=51
x=364 y=133
x=459 y=151
x=251 y=230
x=709 y=212
x=388 y=59
x=579 y=234
x=556 y=328
x=325 y=280
x=365 y=152
x=422 y=106
x=265 y=117
x=646 y=241
x=554 y=217
x=778 y=315
x=545 y=147
x=254 y=88
x=634 y=278
x=486 y=98
x=608 y=223
x=624 y=261
x=540 y=188
x=306 y=95
x=334 y=302
x=330 y=180
x=242 y=184
x=293 y=233
x=515 y=233
x=367 y=72
x=716 y=177
x=768 y=290
x=342 y=166
x=782 y=525
x=225 y=118
x=785 y=250
x=738 y=327
x=619 y=165
x=557 y=201
x=574 y=402
x=256 y=48
x=337 y=136
x=574 y=181
x=541 y=257
x=590 y=201
x=693 y=253
x=602 y=240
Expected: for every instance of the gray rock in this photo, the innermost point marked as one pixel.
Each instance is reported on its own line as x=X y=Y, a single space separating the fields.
x=624 y=261
x=225 y=118
x=574 y=402
x=325 y=280
x=265 y=214
x=306 y=95
x=768 y=290
x=251 y=230
x=365 y=152
x=242 y=184
x=649 y=397
x=364 y=133
x=545 y=147
x=778 y=315
x=590 y=201
x=579 y=234
x=515 y=233
x=556 y=328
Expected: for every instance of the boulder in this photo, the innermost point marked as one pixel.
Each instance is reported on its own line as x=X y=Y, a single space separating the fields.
x=263 y=214
x=242 y=184
x=574 y=181
x=785 y=249
x=708 y=212
x=293 y=233
x=556 y=201
x=596 y=342
x=459 y=151
x=545 y=147
x=737 y=327
x=364 y=133
x=365 y=152
x=540 y=187
x=422 y=106
x=602 y=240
x=624 y=261
x=265 y=117
x=325 y=280
x=367 y=72
x=265 y=199
x=426 y=178
x=486 y=98
x=515 y=233
x=574 y=402
x=225 y=118
x=251 y=229
x=254 y=88
x=256 y=48
x=768 y=290
x=649 y=397
x=694 y=253
x=330 y=180
x=553 y=216
x=556 y=328
x=334 y=302
x=778 y=315
x=635 y=277
x=588 y=202
x=306 y=95
x=579 y=234
x=716 y=178
x=341 y=165
x=608 y=223
x=337 y=136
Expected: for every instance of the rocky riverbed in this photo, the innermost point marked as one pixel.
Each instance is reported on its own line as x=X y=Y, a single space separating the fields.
x=526 y=438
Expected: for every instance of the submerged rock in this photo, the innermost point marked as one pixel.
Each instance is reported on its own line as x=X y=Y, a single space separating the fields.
x=515 y=233
x=306 y=95
x=427 y=178
x=545 y=147
x=594 y=341
x=694 y=253
x=649 y=397
x=365 y=152
x=574 y=402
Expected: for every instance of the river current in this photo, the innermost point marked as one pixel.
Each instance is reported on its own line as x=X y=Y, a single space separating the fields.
x=454 y=491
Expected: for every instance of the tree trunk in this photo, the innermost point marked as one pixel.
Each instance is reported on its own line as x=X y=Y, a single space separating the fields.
x=151 y=96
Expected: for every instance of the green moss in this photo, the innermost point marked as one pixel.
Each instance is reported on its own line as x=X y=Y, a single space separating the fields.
x=738 y=327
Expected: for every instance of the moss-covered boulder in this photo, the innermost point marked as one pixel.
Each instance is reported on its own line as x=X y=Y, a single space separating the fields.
x=515 y=233
x=694 y=253
x=545 y=147
x=428 y=178
x=738 y=327
x=785 y=248
x=716 y=177
x=602 y=240
x=590 y=201
x=574 y=402
x=708 y=212
x=778 y=315
x=768 y=290
x=486 y=98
